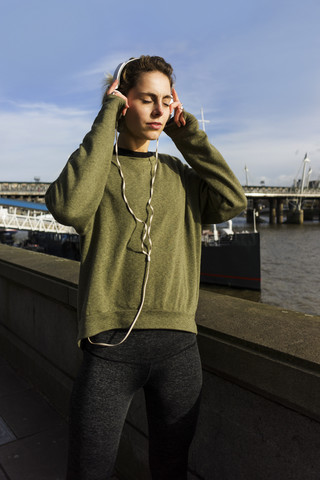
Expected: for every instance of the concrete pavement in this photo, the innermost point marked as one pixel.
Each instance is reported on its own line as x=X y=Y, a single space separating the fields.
x=33 y=436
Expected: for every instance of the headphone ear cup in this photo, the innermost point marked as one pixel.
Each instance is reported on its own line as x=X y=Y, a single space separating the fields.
x=117 y=74
x=119 y=69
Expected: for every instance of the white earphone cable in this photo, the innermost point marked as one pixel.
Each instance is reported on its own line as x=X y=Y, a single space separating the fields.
x=146 y=242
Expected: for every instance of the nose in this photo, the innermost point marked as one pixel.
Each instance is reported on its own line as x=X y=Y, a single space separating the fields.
x=158 y=110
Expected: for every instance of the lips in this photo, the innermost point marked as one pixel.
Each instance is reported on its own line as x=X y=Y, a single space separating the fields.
x=154 y=125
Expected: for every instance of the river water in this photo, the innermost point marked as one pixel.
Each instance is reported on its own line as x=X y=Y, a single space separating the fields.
x=290 y=266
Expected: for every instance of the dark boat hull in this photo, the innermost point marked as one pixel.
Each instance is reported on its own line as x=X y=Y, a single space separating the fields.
x=233 y=264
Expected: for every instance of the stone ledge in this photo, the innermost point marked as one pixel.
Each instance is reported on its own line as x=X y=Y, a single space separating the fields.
x=49 y=266
x=281 y=382
x=268 y=350
x=288 y=336
x=51 y=276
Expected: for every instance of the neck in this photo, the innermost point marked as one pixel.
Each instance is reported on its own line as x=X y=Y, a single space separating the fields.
x=133 y=144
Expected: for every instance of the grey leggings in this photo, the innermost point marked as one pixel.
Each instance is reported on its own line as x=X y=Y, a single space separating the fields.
x=166 y=365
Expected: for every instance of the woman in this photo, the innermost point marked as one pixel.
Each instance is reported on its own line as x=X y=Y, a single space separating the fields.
x=139 y=217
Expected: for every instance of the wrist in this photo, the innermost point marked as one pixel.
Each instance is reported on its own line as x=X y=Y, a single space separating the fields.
x=191 y=126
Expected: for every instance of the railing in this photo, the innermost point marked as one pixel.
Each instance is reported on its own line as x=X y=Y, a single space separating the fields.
x=37 y=188
x=30 y=188
x=255 y=190
x=35 y=223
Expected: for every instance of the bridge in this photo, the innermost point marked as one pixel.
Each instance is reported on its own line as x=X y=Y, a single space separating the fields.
x=31 y=191
x=31 y=216
x=36 y=189
x=299 y=203
x=263 y=191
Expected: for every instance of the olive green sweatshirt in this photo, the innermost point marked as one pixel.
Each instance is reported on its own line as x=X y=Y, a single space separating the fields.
x=88 y=196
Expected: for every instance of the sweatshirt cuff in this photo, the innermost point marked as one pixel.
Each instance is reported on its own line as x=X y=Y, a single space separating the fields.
x=112 y=101
x=175 y=132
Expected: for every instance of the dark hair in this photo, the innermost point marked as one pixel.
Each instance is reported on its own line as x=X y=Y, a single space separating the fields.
x=132 y=71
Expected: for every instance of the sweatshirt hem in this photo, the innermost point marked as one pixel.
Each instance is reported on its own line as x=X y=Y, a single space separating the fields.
x=148 y=320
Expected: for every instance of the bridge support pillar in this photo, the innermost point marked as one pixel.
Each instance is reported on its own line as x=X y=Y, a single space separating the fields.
x=295 y=216
x=272 y=210
x=280 y=210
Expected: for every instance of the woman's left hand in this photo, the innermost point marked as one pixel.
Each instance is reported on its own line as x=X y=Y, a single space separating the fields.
x=112 y=90
x=178 y=109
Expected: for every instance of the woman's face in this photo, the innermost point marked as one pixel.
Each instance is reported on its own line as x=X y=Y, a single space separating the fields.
x=148 y=110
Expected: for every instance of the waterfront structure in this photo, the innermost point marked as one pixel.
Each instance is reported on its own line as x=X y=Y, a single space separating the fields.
x=298 y=203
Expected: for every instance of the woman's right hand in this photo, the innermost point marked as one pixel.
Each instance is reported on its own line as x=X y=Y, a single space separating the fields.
x=112 y=91
x=177 y=107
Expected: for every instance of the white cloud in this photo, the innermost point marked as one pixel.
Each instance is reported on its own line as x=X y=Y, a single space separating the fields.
x=37 y=139
x=272 y=150
x=93 y=76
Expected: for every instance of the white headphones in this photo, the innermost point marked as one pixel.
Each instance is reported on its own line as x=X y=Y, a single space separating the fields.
x=119 y=69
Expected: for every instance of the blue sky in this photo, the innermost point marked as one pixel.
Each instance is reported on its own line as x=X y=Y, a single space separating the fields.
x=252 y=65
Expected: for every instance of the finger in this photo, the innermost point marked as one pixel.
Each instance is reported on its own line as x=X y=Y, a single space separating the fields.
x=112 y=87
x=178 y=116
x=112 y=91
x=175 y=99
x=173 y=106
x=175 y=95
x=178 y=108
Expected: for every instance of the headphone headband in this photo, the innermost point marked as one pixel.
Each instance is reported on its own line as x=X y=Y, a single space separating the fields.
x=119 y=69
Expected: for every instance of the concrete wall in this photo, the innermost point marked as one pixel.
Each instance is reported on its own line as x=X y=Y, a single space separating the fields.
x=260 y=413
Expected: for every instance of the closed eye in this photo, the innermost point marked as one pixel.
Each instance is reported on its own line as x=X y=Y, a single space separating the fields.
x=149 y=97
x=165 y=104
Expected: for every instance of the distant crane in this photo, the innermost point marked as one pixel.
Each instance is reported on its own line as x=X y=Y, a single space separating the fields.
x=246 y=171
x=202 y=120
x=305 y=161
x=308 y=176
